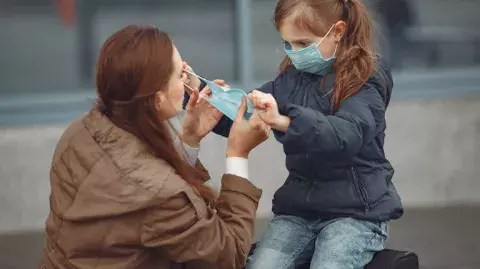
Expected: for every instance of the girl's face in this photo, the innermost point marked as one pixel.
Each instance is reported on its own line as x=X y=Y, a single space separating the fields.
x=298 y=38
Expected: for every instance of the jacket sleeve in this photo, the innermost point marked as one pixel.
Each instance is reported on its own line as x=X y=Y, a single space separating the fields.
x=340 y=135
x=225 y=124
x=185 y=230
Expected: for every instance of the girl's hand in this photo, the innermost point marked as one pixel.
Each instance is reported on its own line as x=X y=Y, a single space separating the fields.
x=268 y=110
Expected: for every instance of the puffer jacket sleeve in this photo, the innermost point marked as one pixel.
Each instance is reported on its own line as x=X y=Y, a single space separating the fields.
x=340 y=135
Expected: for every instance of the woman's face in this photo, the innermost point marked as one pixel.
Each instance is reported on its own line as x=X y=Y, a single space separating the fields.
x=169 y=102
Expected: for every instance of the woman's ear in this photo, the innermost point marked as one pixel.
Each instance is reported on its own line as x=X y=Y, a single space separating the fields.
x=339 y=30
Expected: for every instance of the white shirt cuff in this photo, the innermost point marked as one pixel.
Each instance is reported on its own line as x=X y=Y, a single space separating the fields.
x=237 y=166
x=190 y=153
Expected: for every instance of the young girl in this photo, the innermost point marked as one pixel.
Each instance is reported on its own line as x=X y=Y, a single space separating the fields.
x=327 y=108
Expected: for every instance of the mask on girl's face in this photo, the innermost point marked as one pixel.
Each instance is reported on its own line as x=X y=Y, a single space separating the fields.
x=227 y=100
x=310 y=59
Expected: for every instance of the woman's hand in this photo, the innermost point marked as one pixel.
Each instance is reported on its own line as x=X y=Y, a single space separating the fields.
x=200 y=116
x=245 y=135
x=268 y=110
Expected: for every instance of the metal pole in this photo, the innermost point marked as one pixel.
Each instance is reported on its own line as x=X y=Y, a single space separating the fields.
x=86 y=10
x=243 y=40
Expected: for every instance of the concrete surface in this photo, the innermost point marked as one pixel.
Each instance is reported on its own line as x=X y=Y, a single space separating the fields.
x=444 y=238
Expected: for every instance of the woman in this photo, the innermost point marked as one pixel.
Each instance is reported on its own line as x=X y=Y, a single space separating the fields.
x=126 y=193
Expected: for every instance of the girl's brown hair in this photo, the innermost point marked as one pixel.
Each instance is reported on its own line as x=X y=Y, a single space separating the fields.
x=134 y=64
x=356 y=58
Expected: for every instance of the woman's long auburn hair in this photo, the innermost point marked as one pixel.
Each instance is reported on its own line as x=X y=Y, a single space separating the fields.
x=134 y=64
x=356 y=58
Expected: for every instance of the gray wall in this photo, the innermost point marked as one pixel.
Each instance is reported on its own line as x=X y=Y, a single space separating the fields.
x=434 y=147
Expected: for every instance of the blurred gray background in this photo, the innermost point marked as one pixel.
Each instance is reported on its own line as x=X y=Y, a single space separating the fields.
x=433 y=138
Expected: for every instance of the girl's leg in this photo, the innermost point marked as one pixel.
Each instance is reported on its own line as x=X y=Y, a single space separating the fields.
x=348 y=244
x=288 y=241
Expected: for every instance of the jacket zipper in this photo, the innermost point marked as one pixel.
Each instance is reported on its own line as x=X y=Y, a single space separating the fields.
x=360 y=189
x=309 y=194
x=304 y=104
x=304 y=97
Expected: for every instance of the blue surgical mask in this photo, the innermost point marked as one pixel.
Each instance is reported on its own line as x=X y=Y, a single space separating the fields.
x=227 y=100
x=310 y=59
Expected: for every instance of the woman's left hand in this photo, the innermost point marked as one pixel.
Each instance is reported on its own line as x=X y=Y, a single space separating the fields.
x=200 y=117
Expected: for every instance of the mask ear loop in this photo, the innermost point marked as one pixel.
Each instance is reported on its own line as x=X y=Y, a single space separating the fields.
x=335 y=51
x=329 y=30
x=191 y=90
x=191 y=73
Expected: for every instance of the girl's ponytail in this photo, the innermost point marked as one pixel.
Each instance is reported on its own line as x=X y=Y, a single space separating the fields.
x=356 y=62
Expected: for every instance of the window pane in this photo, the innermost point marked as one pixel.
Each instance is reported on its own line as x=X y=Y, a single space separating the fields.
x=425 y=35
x=38 y=54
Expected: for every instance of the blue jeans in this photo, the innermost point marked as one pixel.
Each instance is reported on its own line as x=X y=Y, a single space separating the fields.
x=343 y=243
